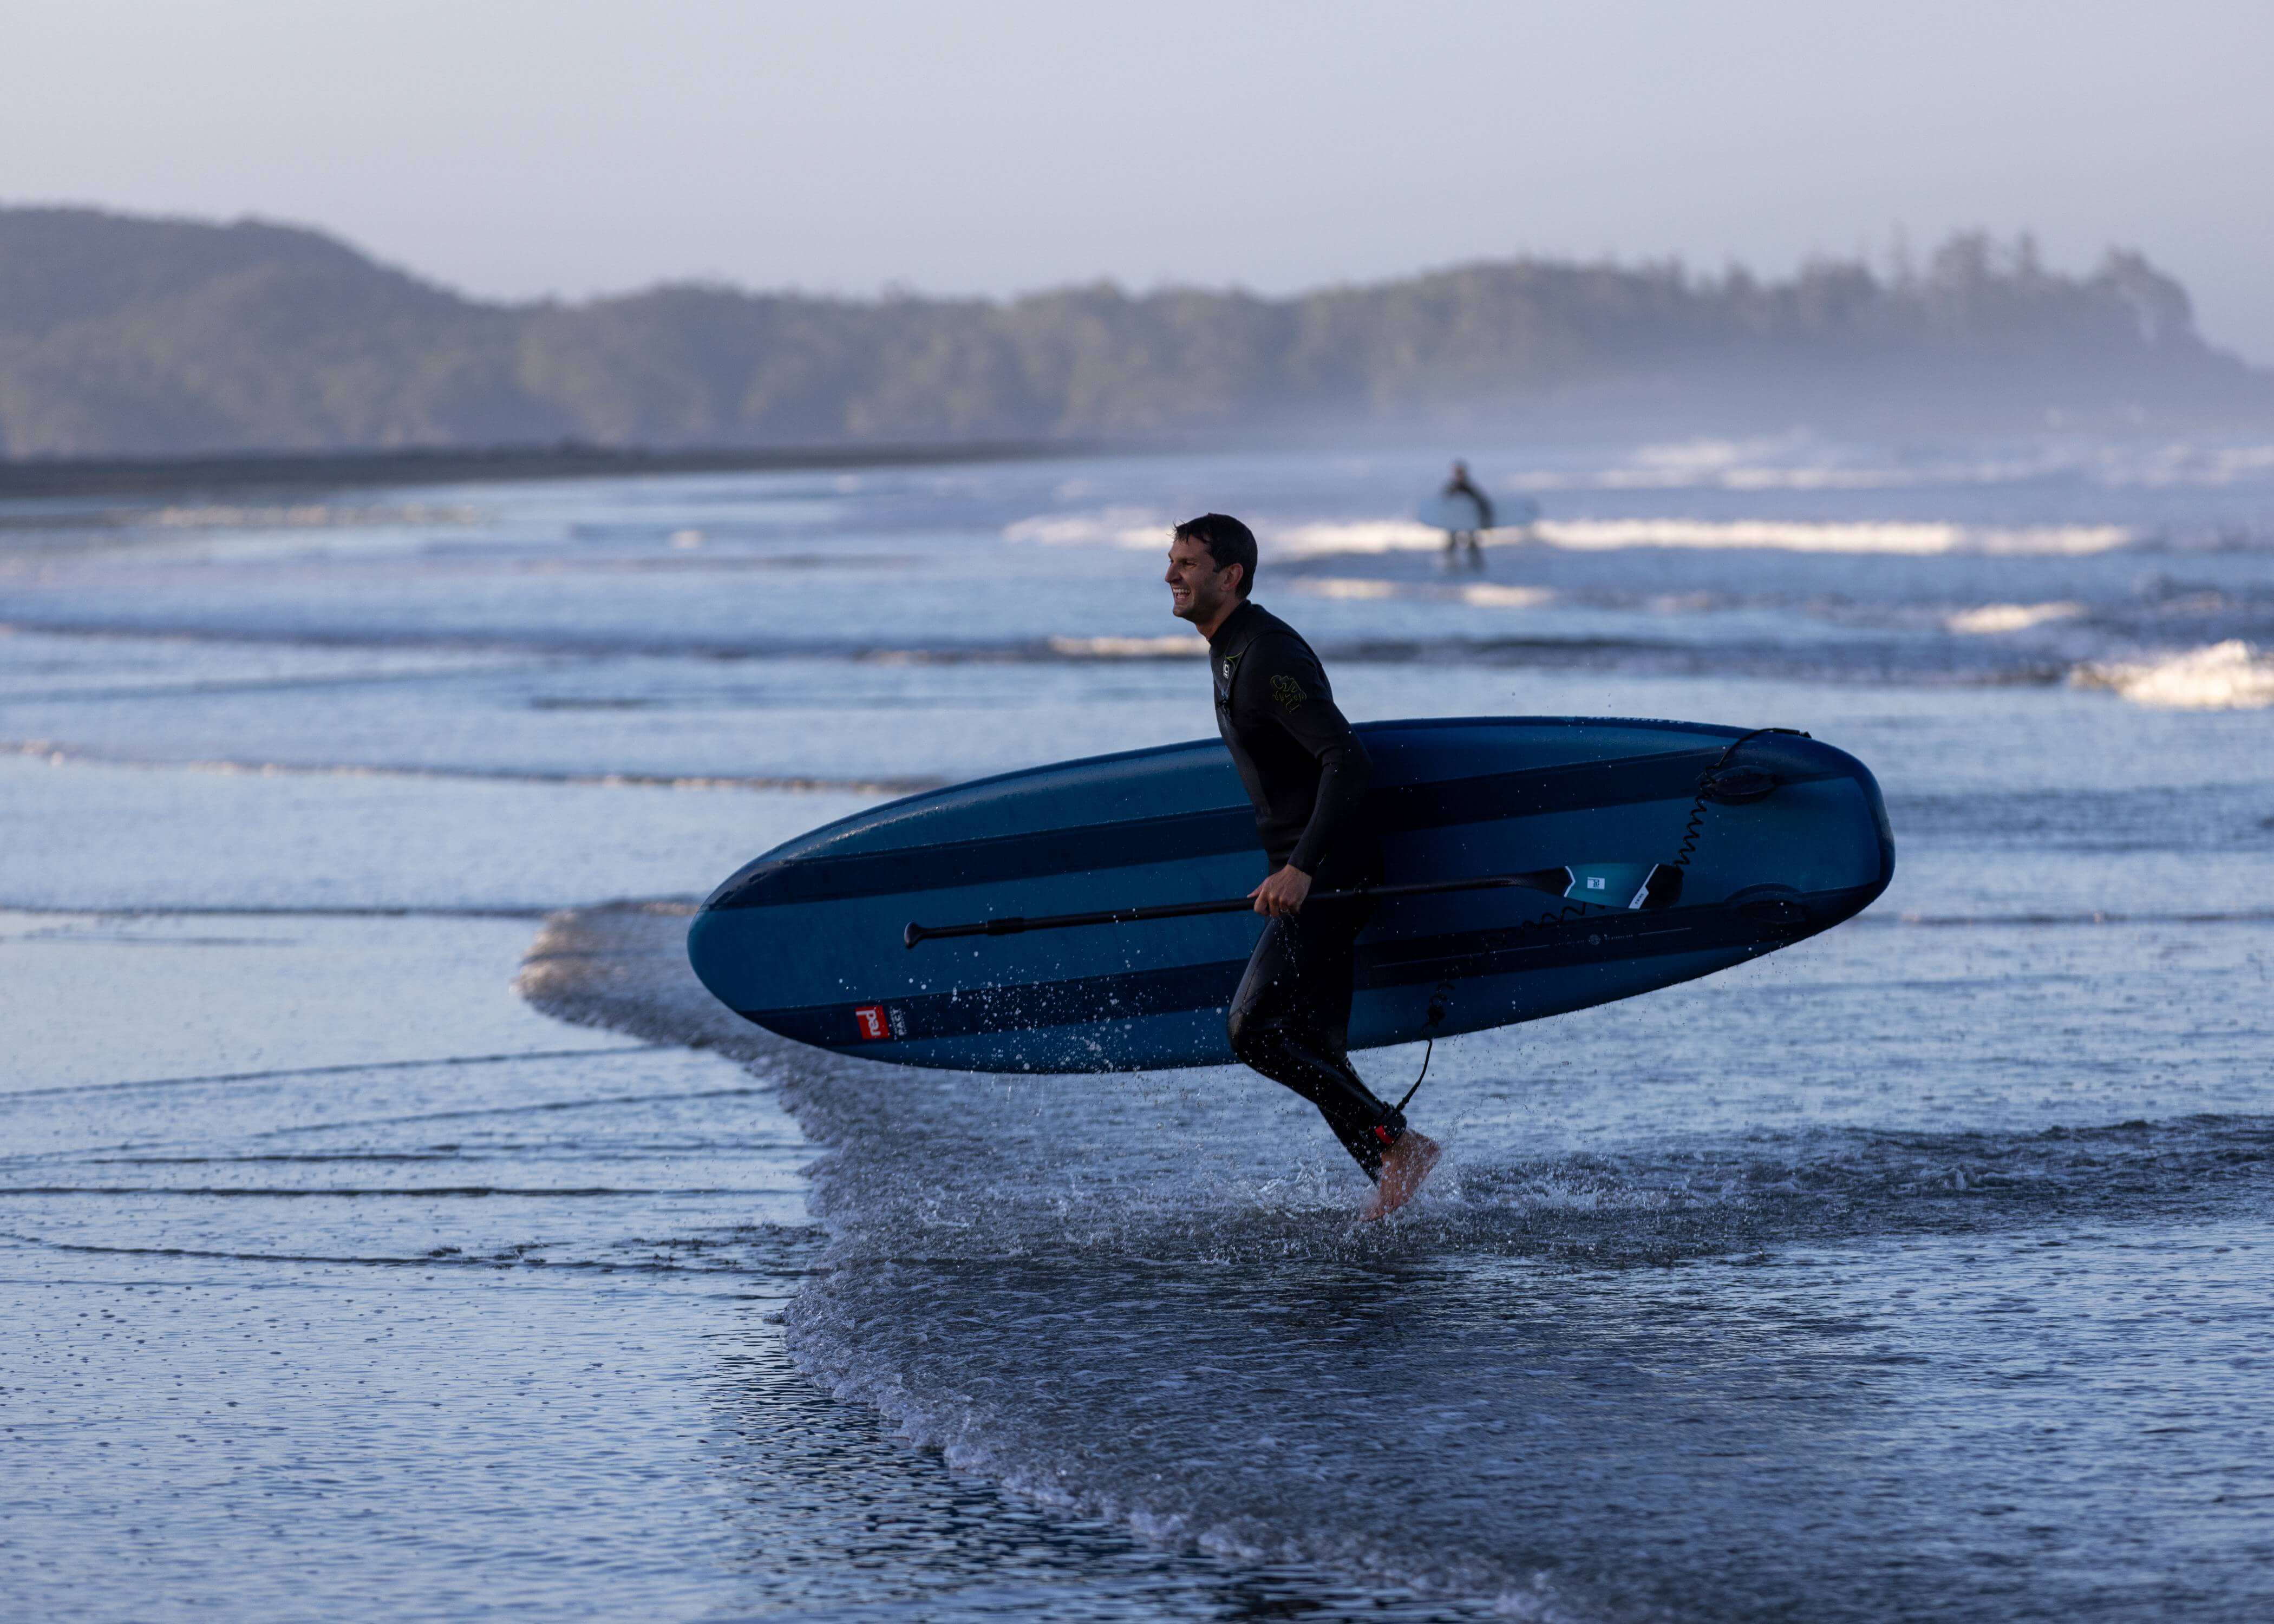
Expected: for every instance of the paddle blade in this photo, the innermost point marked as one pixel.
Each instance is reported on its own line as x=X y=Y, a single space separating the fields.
x=1624 y=885
x=1661 y=890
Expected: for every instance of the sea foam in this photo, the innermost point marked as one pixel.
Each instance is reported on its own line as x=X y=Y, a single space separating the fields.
x=1137 y=529
x=1994 y=618
x=1173 y=645
x=2226 y=676
x=1914 y=540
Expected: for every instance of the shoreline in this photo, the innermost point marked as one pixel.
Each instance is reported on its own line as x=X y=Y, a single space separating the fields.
x=235 y=472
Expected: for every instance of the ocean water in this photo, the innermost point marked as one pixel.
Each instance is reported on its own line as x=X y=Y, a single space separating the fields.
x=391 y=1228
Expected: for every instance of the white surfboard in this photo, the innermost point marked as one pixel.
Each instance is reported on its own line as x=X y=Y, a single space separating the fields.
x=1457 y=510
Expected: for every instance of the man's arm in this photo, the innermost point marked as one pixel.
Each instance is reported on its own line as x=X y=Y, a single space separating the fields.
x=1463 y=487
x=1296 y=690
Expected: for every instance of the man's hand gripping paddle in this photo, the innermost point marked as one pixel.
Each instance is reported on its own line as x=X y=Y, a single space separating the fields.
x=1647 y=887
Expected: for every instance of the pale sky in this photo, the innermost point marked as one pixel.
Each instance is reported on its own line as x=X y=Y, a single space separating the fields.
x=515 y=149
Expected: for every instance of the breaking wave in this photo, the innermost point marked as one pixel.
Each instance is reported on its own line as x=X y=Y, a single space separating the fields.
x=1117 y=527
x=1609 y=535
x=1173 y=645
x=1137 y=528
x=1992 y=618
x=2226 y=676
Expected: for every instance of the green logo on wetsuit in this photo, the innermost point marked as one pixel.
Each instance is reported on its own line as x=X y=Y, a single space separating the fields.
x=1288 y=692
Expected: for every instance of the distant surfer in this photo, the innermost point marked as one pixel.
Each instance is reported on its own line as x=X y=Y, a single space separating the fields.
x=1306 y=774
x=1460 y=489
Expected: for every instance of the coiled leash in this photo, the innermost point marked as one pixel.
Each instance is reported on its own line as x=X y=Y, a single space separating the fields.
x=1721 y=783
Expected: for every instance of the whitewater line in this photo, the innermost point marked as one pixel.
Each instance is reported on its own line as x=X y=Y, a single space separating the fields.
x=60 y=754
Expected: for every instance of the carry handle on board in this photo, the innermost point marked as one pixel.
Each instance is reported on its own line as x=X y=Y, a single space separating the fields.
x=1647 y=886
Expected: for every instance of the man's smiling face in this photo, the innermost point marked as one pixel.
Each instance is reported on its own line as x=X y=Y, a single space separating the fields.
x=1198 y=590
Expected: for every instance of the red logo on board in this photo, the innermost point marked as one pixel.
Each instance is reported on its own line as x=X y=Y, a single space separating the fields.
x=870 y=1018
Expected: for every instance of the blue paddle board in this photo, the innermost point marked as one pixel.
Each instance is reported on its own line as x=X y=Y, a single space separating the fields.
x=1773 y=837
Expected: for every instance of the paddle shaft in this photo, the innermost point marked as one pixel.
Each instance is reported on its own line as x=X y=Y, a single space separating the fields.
x=1552 y=881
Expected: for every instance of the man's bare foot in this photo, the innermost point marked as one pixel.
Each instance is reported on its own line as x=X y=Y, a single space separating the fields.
x=1404 y=1169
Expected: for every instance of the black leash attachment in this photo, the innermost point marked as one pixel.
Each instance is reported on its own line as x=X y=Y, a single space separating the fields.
x=1735 y=786
x=1437 y=1002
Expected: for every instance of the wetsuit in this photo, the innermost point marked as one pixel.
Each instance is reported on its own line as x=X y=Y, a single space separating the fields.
x=1459 y=485
x=1306 y=774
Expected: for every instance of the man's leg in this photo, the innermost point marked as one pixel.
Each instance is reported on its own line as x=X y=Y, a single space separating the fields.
x=1291 y=1022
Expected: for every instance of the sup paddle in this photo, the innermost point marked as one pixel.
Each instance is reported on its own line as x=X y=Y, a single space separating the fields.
x=1647 y=886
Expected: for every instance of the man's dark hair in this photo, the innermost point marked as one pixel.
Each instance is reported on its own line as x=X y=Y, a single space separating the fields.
x=1228 y=542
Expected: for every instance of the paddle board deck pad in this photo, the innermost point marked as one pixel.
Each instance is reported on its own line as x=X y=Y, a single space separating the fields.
x=1775 y=837
x=1458 y=511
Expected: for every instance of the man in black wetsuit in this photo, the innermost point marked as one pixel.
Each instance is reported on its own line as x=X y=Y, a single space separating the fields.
x=1307 y=773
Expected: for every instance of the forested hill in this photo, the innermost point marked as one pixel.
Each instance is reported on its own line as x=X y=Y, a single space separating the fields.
x=125 y=337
